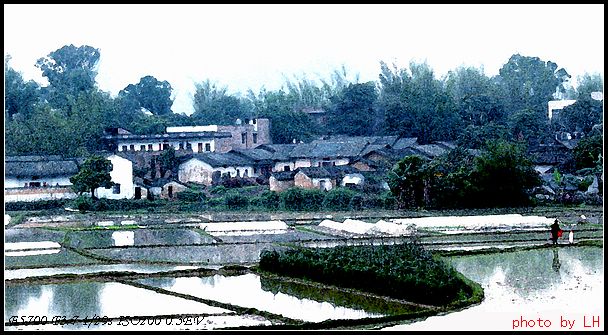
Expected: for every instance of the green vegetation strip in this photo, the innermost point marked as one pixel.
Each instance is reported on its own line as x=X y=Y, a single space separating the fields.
x=403 y=271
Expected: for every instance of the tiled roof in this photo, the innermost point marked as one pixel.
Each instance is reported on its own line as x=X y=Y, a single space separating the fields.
x=284 y=175
x=327 y=171
x=42 y=168
x=216 y=159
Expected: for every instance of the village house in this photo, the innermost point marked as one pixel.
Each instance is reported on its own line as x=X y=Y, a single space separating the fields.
x=197 y=139
x=163 y=188
x=122 y=176
x=34 y=178
x=323 y=178
x=209 y=168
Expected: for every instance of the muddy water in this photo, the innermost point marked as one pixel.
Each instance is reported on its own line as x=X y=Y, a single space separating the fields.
x=560 y=286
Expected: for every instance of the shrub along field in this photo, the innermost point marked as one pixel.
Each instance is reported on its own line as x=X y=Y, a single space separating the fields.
x=406 y=271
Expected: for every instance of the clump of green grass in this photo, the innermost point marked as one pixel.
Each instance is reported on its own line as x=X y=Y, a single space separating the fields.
x=405 y=271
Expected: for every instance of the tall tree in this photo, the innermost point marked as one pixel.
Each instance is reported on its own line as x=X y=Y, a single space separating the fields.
x=417 y=105
x=352 y=111
x=582 y=115
x=589 y=83
x=530 y=83
x=475 y=96
x=70 y=70
x=150 y=93
x=20 y=97
x=213 y=105
x=94 y=173
x=287 y=124
x=503 y=176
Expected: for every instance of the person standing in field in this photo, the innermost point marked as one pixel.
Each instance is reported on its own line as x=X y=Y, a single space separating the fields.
x=556 y=231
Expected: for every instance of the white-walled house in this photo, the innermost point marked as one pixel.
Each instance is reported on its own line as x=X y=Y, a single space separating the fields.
x=122 y=176
x=35 y=178
x=209 y=167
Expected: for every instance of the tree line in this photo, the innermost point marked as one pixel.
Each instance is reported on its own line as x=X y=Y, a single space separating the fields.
x=465 y=106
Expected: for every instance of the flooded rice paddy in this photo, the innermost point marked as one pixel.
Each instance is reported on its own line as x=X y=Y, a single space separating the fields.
x=164 y=278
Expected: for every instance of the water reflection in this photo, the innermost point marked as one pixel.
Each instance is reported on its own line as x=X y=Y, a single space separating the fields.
x=123 y=238
x=525 y=285
x=246 y=291
x=94 y=298
x=556 y=264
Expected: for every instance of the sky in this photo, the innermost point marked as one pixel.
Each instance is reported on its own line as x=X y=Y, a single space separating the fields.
x=243 y=47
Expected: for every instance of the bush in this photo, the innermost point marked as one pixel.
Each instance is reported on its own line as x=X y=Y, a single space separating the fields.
x=190 y=196
x=414 y=274
x=34 y=205
x=298 y=199
x=356 y=202
x=218 y=190
x=270 y=199
x=338 y=198
x=215 y=202
x=236 y=201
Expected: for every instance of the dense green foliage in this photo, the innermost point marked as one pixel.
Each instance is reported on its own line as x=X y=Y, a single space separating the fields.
x=94 y=173
x=501 y=176
x=466 y=105
x=588 y=152
x=404 y=271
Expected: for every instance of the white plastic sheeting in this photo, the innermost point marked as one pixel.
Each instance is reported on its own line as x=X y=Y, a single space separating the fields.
x=244 y=228
x=445 y=224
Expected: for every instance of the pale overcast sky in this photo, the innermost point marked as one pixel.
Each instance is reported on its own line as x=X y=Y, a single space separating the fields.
x=250 y=46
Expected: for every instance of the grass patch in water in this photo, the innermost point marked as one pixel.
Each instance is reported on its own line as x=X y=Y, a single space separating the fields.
x=404 y=271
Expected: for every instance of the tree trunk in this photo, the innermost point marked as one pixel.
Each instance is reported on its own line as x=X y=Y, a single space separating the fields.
x=93 y=194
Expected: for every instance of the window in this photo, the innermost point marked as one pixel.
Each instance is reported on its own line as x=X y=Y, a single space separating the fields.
x=142 y=147
x=149 y=147
x=238 y=172
x=255 y=138
x=124 y=148
x=188 y=145
x=132 y=147
x=116 y=189
x=244 y=138
x=286 y=168
x=165 y=146
x=160 y=146
x=181 y=146
x=170 y=191
x=200 y=147
x=207 y=146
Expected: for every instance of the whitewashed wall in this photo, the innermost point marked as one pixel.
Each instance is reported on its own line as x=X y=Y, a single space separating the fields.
x=122 y=173
x=12 y=182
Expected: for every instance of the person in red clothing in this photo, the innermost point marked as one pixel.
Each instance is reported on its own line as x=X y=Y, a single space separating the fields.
x=556 y=231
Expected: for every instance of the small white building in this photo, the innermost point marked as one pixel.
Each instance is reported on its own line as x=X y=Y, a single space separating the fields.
x=209 y=167
x=122 y=176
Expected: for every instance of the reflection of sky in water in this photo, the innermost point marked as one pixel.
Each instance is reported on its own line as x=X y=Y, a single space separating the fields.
x=101 y=299
x=528 y=284
x=246 y=291
x=123 y=238
x=31 y=252
x=139 y=268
